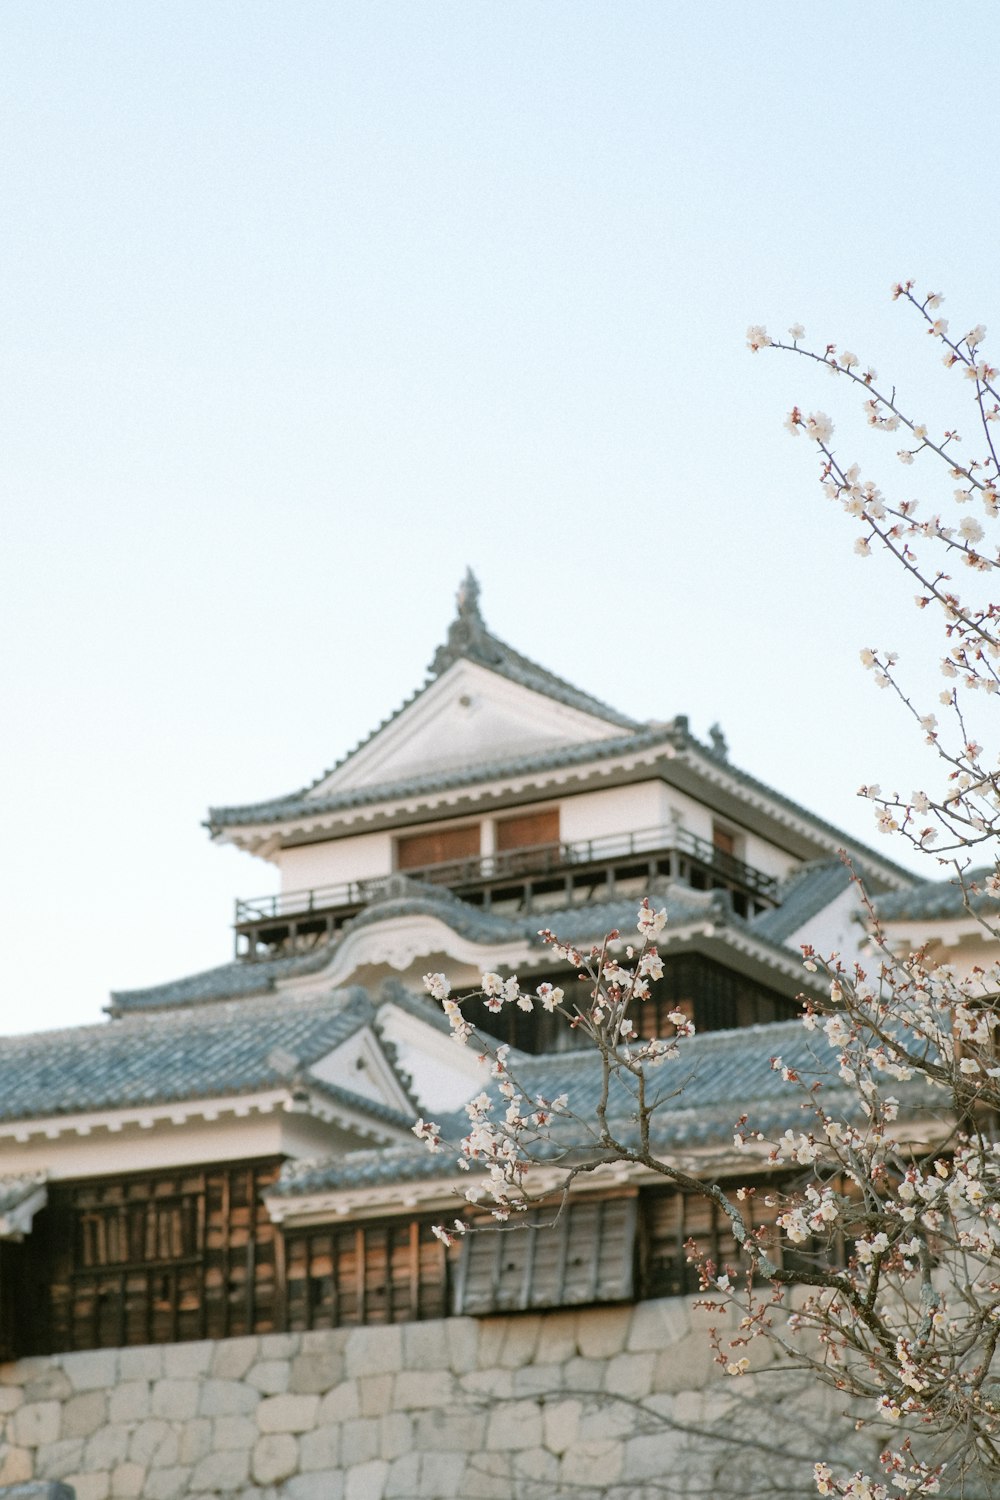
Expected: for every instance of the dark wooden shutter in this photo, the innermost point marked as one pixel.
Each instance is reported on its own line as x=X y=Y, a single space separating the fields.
x=528 y=829
x=587 y=1256
x=415 y=850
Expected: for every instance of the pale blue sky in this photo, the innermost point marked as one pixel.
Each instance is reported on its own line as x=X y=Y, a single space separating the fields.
x=307 y=306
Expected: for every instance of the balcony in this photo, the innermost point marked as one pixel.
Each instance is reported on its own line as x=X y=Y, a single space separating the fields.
x=536 y=879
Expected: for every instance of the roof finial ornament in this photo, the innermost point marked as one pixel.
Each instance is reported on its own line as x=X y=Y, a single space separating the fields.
x=720 y=745
x=467 y=598
x=467 y=633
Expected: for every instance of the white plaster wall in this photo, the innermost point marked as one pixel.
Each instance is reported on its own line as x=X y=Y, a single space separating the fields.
x=164 y=1145
x=363 y=856
x=833 y=930
x=618 y=809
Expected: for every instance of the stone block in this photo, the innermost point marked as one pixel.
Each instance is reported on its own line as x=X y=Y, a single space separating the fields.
x=233 y=1432
x=168 y=1453
x=324 y=1341
x=127 y=1481
x=403 y=1479
x=275 y=1457
x=279 y=1345
x=489 y=1477
x=194 y=1441
x=395 y=1435
x=226 y=1398
x=367 y=1481
x=375 y=1394
x=441 y=1475
x=187 y=1361
x=269 y=1376
x=11 y=1397
x=232 y=1358
x=315 y=1374
x=36 y=1422
x=129 y=1402
x=38 y=1489
x=463 y=1344
x=514 y=1425
x=649 y=1456
x=221 y=1472
x=491 y=1385
x=320 y=1450
x=557 y=1337
x=630 y=1375
x=166 y=1484
x=56 y=1460
x=601 y=1332
x=359 y=1441
x=50 y=1385
x=536 y=1466
x=83 y=1414
x=686 y=1366
x=425 y=1346
x=374 y=1351
x=145 y=1440
x=91 y=1486
x=417 y=1388
x=23 y=1371
x=561 y=1424
x=107 y=1447
x=492 y=1334
x=341 y=1404
x=15 y=1464
x=143 y=1363
x=584 y=1374
x=176 y=1400
x=521 y=1341
x=538 y=1380
x=592 y=1463
x=91 y=1370
x=323 y=1484
x=287 y=1413
x=450 y=1429
x=658 y=1325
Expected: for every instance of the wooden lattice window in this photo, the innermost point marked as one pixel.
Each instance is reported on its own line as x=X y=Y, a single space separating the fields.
x=587 y=1256
x=526 y=830
x=415 y=850
x=671 y=1219
x=381 y=1272
x=158 y=1258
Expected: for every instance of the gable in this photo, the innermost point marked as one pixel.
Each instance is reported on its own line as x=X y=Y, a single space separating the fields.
x=468 y=716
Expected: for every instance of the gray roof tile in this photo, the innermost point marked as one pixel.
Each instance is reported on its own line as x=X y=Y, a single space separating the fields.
x=221 y=1050
x=803 y=896
x=938 y=900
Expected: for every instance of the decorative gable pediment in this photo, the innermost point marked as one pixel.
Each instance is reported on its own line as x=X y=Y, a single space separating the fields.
x=469 y=716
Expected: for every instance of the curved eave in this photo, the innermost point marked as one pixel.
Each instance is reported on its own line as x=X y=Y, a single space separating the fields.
x=734 y=794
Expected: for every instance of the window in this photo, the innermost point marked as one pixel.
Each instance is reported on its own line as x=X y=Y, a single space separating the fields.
x=527 y=830
x=156 y=1258
x=382 y=1272
x=723 y=840
x=416 y=850
x=587 y=1257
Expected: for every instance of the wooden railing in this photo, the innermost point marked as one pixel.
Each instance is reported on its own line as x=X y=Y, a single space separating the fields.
x=674 y=849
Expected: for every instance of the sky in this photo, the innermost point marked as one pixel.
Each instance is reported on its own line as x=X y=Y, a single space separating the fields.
x=306 y=307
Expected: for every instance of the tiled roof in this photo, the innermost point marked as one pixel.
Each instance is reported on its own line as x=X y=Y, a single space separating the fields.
x=236 y=980
x=17 y=1190
x=723 y=1074
x=221 y=1050
x=803 y=896
x=468 y=640
x=575 y=924
x=938 y=900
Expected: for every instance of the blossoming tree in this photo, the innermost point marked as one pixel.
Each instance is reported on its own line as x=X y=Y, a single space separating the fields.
x=869 y=1231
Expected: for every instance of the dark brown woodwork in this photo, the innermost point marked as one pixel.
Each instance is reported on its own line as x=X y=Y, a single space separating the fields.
x=155 y=1258
x=436 y=848
x=528 y=830
x=385 y=1271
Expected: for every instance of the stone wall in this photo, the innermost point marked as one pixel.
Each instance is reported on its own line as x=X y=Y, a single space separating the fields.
x=513 y=1408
